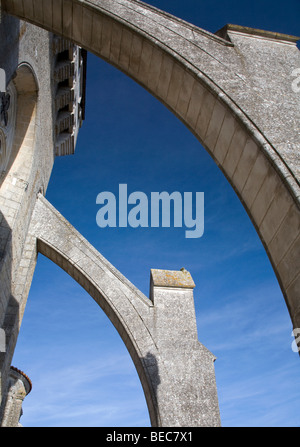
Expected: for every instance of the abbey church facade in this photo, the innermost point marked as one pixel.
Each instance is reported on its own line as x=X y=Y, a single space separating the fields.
x=42 y=109
x=220 y=86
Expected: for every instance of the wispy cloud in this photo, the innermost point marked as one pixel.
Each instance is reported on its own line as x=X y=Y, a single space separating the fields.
x=250 y=334
x=266 y=398
x=99 y=392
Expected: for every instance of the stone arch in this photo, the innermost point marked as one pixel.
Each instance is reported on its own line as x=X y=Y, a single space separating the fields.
x=126 y=307
x=201 y=78
x=175 y=369
x=126 y=327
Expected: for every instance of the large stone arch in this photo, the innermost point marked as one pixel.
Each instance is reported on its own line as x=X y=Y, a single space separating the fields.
x=220 y=87
x=15 y=218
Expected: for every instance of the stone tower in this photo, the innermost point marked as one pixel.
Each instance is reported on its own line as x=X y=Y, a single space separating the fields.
x=42 y=109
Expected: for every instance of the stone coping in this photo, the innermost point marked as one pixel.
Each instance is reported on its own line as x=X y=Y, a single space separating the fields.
x=256 y=33
x=172 y=278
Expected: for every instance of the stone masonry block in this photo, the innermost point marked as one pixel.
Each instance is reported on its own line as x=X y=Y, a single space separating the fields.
x=116 y=37
x=195 y=104
x=255 y=179
x=165 y=77
x=175 y=85
x=126 y=43
x=225 y=137
x=136 y=50
x=245 y=164
x=205 y=115
x=185 y=93
x=287 y=233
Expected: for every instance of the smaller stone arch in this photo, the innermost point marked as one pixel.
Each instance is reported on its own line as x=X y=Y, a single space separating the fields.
x=160 y=333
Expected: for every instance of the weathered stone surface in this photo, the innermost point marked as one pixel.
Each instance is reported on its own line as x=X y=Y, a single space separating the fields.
x=19 y=386
x=220 y=87
x=176 y=371
x=170 y=278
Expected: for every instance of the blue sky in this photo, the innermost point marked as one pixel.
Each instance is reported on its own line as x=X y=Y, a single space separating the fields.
x=82 y=373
